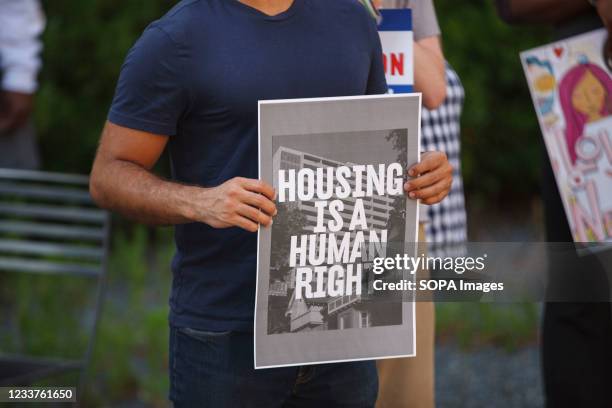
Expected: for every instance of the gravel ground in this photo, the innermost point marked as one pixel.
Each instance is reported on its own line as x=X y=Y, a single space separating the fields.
x=488 y=377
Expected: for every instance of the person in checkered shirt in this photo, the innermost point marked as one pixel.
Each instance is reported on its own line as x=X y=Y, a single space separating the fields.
x=441 y=130
x=443 y=98
x=410 y=382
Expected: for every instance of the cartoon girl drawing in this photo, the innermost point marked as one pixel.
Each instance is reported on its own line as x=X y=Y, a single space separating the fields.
x=585 y=93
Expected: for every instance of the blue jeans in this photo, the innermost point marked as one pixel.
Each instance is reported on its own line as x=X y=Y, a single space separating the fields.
x=216 y=370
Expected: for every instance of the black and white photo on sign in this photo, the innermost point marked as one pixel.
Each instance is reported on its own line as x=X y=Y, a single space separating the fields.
x=336 y=212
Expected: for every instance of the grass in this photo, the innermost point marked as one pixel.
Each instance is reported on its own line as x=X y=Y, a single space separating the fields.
x=508 y=326
x=130 y=362
x=51 y=316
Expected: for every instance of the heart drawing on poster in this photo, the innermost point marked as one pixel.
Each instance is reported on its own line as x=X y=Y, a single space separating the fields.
x=558 y=51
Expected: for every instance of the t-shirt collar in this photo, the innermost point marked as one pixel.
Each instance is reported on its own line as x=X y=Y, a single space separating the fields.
x=295 y=6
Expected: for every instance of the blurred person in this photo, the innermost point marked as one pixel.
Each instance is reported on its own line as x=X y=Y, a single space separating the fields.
x=441 y=127
x=576 y=337
x=429 y=66
x=191 y=83
x=21 y=23
x=409 y=382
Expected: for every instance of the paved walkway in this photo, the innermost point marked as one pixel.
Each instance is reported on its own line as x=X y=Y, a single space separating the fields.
x=488 y=377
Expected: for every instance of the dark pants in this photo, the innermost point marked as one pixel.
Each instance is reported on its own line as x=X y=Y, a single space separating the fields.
x=576 y=337
x=216 y=370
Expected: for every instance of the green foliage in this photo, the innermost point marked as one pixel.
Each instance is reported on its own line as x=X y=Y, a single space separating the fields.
x=44 y=315
x=500 y=133
x=130 y=360
x=85 y=43
x=472 y=324
x=51 y=316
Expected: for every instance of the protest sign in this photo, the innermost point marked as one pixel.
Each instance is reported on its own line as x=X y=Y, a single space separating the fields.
x=571 y=89
x=396 y=37
x=338 y=166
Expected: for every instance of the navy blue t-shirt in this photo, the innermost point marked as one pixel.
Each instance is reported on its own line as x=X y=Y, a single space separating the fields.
x=196 y=75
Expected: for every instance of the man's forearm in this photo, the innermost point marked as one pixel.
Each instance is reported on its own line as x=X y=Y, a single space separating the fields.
x=135 y=192
x=540 y=11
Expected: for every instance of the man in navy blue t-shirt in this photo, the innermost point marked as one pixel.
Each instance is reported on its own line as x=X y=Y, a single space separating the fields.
x=192 y=82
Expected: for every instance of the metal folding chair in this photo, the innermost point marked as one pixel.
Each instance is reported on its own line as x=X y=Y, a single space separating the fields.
x=49 y=225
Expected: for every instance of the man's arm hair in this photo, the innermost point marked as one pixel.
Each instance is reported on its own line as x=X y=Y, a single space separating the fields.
x=540 y=11
x=121 y=179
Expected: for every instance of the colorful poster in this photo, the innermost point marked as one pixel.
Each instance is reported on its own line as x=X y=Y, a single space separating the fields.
x=571 y=89
x=396 y=36
x=338 y=166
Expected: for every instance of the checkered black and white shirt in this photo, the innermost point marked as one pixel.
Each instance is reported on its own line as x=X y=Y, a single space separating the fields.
x=440 y=130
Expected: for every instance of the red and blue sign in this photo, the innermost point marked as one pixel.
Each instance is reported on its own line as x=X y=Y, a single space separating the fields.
x=397 y=40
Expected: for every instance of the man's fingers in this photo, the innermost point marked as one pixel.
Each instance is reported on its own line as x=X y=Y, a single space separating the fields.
x=425 y=180
x=431 y=191
x=249 y=203
x=258 y=186
x=245 y=224
x=426 y=164
x=254 y=215
x=435 y=199
x=429 y=161
x=259 y=201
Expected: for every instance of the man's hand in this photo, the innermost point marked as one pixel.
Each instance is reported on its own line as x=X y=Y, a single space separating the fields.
x=433 y=178
x=15 y=109
x=239 y=202
x=604 y=8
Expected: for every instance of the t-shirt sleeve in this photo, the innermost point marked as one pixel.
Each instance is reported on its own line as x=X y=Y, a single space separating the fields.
x=377 y=83
x=424 y=18
x=150 y=94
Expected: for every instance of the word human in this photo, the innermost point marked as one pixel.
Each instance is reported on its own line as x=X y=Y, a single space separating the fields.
x=341 y=182
x=318 y=251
